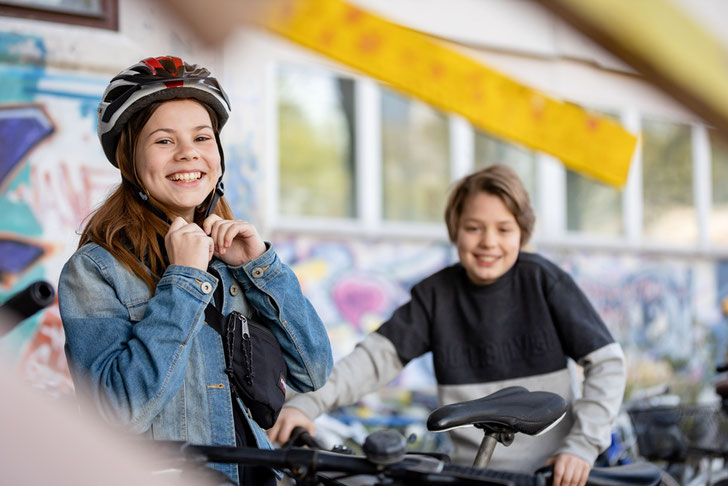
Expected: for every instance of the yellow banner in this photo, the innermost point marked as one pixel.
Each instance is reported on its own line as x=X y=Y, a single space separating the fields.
x=427 y=69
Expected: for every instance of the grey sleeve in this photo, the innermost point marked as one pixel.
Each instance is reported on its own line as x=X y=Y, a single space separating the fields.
x=371 y=365
x=594 y=412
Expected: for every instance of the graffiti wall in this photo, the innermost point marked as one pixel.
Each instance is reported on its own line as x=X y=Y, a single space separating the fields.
x=664 y=311
x=51 y=176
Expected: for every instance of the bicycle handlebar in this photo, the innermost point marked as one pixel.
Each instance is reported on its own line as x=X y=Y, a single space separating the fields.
x=290 y=458
x=412 y=469
x=25 y=303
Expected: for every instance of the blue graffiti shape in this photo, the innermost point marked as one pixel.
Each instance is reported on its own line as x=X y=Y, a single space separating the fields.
x=21 y=129
x=16 y=256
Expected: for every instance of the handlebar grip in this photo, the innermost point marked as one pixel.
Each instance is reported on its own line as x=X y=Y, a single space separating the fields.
x=301 y=437
x=25 y=303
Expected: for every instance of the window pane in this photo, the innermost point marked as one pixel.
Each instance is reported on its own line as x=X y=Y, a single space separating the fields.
x=591 y=206
x=719 y=214
x=316 y=144
x=415 y=160
x=667 y=175
x=490 y=150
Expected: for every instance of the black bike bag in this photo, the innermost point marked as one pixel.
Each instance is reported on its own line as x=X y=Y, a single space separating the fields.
x=255 y=365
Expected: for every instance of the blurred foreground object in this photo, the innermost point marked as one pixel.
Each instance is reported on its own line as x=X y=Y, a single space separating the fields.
x=46 y=442
x=661 y=42
x=36 y=296
x=430 y=70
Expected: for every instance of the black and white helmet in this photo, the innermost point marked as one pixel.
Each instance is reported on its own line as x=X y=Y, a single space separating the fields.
x=155 y=79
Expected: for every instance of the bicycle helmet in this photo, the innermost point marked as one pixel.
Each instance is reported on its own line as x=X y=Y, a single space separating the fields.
x=158 y=79
x=150 y=80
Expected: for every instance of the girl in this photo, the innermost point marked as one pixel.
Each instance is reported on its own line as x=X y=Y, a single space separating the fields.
x=153 y=259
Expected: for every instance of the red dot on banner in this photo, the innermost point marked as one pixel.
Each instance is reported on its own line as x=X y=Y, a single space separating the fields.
x=327 y=37
x=538 y=105
x=437 y=70
x=592 y=123
x=369 y=42
x=353 y=15
x=408 y=57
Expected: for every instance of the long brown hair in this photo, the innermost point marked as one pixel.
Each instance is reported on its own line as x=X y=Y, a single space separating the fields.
x=124 y=225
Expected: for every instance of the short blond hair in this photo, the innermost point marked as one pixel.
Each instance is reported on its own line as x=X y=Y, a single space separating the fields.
x=498 y=180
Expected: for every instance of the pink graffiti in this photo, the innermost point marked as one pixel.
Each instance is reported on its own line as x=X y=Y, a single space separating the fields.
x=354 y=298
x=44 y=362
x=63 y=195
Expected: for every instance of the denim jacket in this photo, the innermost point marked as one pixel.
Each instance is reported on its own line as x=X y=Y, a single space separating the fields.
x=150 y=363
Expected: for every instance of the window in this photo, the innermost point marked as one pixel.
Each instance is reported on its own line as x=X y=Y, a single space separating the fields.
x=490 y=150
x=316 y=144
x=719 y=213
x=592 y=207
x=415 y=160
x=667 y=176
x=102 y=14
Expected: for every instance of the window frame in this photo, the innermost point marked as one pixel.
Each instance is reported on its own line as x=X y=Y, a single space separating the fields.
x=107 y=19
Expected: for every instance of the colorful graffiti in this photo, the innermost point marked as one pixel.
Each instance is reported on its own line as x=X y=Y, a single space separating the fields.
x=664 y=311
x=21 y=129
x=51 y=175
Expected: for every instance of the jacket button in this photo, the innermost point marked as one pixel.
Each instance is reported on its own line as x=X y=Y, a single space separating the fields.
x=234 y=289
x=206 y=287
x=257 y=272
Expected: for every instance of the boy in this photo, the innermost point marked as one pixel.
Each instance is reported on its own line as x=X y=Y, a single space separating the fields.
x=499 y=317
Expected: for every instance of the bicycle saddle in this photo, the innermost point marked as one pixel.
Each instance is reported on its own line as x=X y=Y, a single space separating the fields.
x=512 y=409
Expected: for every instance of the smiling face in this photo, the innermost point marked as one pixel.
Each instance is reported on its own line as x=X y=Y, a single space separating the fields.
x=177 y=158
x=488 y=238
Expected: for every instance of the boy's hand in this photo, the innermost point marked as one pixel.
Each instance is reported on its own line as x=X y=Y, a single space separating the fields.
x=188 y=245
x=288 y=419
x=236 y=242
x=569 y=470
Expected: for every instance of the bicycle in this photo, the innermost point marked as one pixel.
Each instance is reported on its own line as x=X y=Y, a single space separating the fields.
x=690 y=442
x=500 y=415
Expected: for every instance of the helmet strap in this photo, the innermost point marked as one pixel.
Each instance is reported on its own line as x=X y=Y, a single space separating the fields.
x=219 y=191
x=219 y=187
x=145 y=199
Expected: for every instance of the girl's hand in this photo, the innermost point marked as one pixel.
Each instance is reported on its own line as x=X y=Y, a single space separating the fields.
x=236 y=242
x=569 y=470
x=188 y=245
